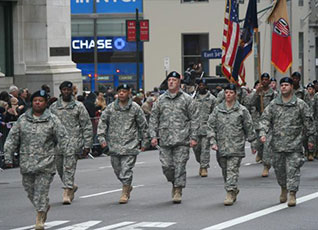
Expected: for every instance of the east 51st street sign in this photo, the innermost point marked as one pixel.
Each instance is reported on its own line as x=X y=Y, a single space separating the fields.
x=214 y=53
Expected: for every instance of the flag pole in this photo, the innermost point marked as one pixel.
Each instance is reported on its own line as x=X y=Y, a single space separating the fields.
x=259 y=69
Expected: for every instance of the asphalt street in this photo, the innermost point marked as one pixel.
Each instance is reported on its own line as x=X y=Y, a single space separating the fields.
x=150 y=207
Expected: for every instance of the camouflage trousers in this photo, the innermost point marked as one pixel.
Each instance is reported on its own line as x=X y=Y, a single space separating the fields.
x=287 y=169
x=123 y=166
x=202 y=152
x=66 y=167
x=37 y=187
x=174 y=161
x=230 y=170
x=264 y=151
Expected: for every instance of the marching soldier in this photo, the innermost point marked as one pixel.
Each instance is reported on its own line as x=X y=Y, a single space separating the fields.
x=264 y=151
x=230 y=125
x=287 y=116
x=35 y=136
x=76 y=120
x=173 y=124
x=205 y=103
x=119 y=127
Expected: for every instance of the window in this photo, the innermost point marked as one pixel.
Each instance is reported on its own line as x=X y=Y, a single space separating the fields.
x=300 y=2
x=193 y=1
x=111 y=27
x=6 y=41
x=193 y=45
x=82 y=27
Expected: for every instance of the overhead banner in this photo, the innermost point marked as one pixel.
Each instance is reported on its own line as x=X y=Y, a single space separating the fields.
x=105 y=6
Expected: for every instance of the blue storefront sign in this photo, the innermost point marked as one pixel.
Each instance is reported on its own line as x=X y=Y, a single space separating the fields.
x=212 y=53
x=105 y=6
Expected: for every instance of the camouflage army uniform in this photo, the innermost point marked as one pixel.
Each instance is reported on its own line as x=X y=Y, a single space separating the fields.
x=35 y=139
x=264 y=150
x=241 y=96
x=229 y=129
x=287 y=121
x=174 y=121
x=314 y=106
x=79 y=127
x=205 y=105
x=121 y=127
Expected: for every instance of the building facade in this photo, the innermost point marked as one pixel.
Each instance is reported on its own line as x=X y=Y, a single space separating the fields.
x=182 y=29
x=35 y=38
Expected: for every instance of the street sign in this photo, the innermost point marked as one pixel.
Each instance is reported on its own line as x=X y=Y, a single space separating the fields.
x=144 y=30
x=215 y=53
x=131 y=30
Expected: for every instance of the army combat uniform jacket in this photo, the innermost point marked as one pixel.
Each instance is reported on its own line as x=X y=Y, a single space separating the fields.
x=205 y=105
x=77 y=122
x=174 y=120
x=287 y=121
x=35 y=139
x=229 y=128
x=122 y=128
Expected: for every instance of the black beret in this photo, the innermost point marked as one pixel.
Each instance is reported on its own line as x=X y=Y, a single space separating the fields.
x=296 y=74
x=174 y=74
x=202 y=81
x=265 y=75
x=273 y=79
x=40 y=93
x=230 y=87
x=287 y=80
x=123 y=86
x=66 y=84
x=315 y=82
x=310 y=85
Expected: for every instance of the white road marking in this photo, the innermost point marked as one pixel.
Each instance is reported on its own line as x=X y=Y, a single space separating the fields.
x=257 y=214
x=47 y=225
x=147 y=225
x=109 y=166
x=81 y=226
x=113 y=226
x=107 y=192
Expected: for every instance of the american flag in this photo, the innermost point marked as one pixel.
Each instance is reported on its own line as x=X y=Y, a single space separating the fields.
x=231 y=37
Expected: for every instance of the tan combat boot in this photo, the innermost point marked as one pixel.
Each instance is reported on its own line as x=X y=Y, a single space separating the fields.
x=265 y=171
x=283 y=195
x=310 y=157
x=173 y=191
x=229 y=199
x=125 y=195
x=39 y=224
x=292 y=199
x=204 y=172
x=72 y=192
x=258 y=159
x=177 y=195
x=66 y=196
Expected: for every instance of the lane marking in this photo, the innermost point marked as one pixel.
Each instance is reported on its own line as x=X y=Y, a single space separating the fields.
x=81 y=226
x=109 y=166
x=107 y=192
x=113 y=226
x=147 y=225
x=260 y=213
x=47 y=225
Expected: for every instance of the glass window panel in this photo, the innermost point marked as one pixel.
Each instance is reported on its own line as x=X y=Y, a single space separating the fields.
x=111 y=27
x=82 y=27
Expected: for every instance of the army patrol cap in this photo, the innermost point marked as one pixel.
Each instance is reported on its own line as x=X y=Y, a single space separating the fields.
x=310 y=85
x=230 y=87
x=265 y=75
x=66 y=84
x=174 y=74
x=286 y=80
x=40 y=93
x=123 y=86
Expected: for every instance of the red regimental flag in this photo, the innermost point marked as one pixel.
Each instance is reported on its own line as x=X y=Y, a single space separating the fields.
x=281 y=40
